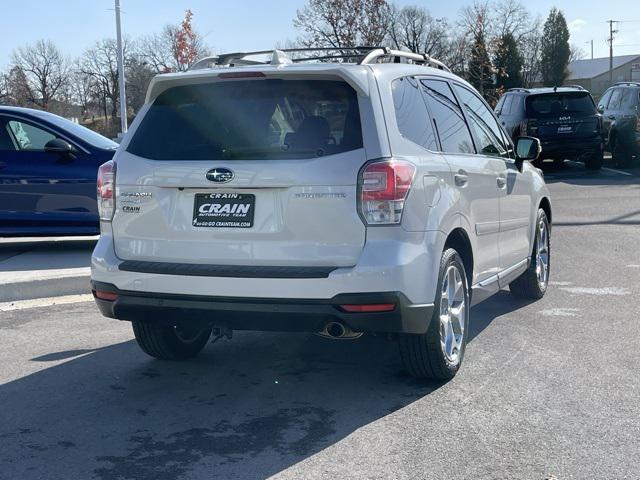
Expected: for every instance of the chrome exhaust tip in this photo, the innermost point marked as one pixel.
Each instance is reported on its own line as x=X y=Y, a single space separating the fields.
x=338 y=331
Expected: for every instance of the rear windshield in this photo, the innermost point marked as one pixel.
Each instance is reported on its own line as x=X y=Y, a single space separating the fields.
x=250 y=119
x=553 y=104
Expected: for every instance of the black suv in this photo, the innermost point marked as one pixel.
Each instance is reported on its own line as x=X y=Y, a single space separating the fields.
x=563 y=118
x=620 y=109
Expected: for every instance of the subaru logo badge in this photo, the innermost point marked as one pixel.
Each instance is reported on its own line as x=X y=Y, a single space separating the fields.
x=220 y=175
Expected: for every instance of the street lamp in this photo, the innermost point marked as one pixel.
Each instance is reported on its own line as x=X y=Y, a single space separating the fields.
x=120 y=59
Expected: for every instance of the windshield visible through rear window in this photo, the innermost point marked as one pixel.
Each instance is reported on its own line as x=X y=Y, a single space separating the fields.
x=250 y=119
x=557 y=104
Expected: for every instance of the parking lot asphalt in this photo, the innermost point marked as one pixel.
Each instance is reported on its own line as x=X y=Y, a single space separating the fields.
x=549 y=389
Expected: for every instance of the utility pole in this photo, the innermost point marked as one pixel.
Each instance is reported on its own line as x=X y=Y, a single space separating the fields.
x=120 y=59
x=611 y=32
x=591 y=42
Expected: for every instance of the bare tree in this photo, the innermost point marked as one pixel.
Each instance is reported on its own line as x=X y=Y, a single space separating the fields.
x=576 y=53
x=139 y=74
x=415 y=29
x=343 y=23
x=99 y=63
x=531 y=49
x=511 y=17
x=4 y=87
x=45 y=70
x=476 y=19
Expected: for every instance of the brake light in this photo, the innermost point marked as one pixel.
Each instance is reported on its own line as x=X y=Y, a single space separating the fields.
x=528 y=127
x=106 y=190
x=384 y=186
x=242 y=75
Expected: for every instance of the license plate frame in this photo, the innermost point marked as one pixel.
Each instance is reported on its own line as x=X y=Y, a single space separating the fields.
x=223 y=210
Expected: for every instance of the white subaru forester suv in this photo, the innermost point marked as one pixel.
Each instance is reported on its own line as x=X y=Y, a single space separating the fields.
x=373 y=195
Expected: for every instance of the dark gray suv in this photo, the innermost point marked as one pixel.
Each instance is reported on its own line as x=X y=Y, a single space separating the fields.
x=620 y=109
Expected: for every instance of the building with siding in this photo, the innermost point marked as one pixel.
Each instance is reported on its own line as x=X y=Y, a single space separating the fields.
x=593 y=74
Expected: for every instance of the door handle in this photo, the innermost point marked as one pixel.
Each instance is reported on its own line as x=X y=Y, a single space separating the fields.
x=501 y=181
x=611 y=117
x=461 y=178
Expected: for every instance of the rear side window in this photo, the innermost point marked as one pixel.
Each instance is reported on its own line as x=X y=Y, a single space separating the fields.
x=250 y=119
x=447 y=117
x=629 y=97
x=506 y=106
x=616 y=99
x=412 y=115
x=554 y=104
x=28 y=137
x=486 y=130
x=605 y=99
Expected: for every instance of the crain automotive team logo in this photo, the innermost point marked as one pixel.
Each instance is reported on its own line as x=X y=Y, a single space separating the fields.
x=220 y=175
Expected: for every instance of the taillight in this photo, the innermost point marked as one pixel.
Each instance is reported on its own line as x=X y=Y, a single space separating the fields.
x=528 y=127
x=638 y=123
x=107 y=190
x=384 y=186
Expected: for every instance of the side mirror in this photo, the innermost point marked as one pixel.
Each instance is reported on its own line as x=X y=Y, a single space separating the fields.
x=600 y=109
x=59 y=147
x=527 y=148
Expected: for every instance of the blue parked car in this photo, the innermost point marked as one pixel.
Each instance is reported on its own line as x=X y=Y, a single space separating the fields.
x=48 y=170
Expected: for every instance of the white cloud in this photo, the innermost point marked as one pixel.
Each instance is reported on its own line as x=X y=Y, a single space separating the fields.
x=576 y=25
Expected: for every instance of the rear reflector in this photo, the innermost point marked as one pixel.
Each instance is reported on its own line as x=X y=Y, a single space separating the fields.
x=102 y=295
x=368 y=308
x=242 y=75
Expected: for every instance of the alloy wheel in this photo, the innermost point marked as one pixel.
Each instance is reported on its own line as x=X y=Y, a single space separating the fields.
x=452 y=314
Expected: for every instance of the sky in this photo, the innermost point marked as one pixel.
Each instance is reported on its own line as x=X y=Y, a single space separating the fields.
x=74 y=25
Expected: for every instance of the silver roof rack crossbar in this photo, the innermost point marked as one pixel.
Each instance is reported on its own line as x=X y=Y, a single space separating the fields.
x=361 y=55
x=278 y=56
x=423 y=58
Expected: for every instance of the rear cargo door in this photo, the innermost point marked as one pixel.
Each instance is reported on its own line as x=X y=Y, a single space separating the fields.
x=243 y=172
x=562 y=114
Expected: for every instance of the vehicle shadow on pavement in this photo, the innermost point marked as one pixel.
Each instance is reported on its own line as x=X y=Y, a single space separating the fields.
x=246 y=408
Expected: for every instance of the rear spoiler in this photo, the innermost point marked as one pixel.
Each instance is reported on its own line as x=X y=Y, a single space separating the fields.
x=356 y=77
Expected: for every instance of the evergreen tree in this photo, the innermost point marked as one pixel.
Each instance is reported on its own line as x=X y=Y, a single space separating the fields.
x=480 y=67
x=508 y=63
x=555 y=49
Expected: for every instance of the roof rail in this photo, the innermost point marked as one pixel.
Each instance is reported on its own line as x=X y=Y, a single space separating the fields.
x=360 y=55
x=579 y=87
x=421 y=58
x=636 y=84
x=519 y=89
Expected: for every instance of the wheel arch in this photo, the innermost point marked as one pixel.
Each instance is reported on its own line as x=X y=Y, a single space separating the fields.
x=545 y=205
x=458 y=239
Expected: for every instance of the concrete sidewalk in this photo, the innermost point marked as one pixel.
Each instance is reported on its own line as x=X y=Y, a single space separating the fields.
x=44 y=267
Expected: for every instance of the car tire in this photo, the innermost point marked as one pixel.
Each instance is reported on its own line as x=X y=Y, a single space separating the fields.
x=594 y=161
x=438 y=353
x=533 y=283
x=167 y=342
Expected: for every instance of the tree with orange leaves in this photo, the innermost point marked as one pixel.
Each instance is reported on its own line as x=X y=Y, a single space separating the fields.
x=185 y=45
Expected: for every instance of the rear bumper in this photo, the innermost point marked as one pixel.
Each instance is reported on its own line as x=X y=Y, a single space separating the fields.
x=266 y=314
x=571 y=147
